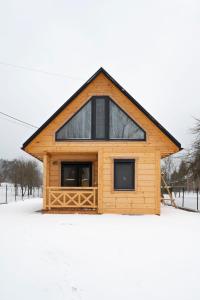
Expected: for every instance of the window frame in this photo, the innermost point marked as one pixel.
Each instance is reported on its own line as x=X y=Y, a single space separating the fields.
x=93 y=123
x=93 y=120
x=73 y=139
x=78 y=165
x=125 y=160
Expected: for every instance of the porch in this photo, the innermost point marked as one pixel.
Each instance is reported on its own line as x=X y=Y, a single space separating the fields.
x=71 y=182
x=72 y=198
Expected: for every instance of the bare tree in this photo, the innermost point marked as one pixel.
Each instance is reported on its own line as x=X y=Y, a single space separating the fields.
x=33 y=176
x=25 y=174
x=1 y=172
x=167 y=168
x=194 y=155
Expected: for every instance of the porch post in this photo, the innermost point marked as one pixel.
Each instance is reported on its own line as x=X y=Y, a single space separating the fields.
x=45 y=179
x=100 y=182
x=158 y=182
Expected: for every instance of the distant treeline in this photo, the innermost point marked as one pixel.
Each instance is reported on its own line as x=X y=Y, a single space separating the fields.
x=22 y=173
x=187 y=172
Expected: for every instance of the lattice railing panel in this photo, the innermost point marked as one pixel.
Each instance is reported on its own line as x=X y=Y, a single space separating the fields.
x=72 y=197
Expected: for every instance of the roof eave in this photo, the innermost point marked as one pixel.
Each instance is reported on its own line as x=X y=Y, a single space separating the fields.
x=140 y=107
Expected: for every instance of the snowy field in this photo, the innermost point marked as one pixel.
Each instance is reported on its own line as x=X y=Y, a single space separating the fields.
x=98 y=257
x=190 y=200
x=10 y=196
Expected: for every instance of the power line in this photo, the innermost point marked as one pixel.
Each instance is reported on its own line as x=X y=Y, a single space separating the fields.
x=18 y=120
x=14 y=122
x=39 y=71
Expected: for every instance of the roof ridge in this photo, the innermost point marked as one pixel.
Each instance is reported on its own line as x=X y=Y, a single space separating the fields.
x=139 y=106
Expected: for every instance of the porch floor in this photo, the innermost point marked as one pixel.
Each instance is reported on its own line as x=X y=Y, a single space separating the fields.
x=70 y=211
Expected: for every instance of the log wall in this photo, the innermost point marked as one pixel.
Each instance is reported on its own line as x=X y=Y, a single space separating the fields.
x=146 y=197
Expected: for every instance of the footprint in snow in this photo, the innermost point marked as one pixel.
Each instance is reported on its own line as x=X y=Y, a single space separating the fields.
x=76 y=293
x=64 y=224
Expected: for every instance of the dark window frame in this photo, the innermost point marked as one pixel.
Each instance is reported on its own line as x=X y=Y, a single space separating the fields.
x=72 y=139
x=78 y=164
x=93 y=123
x=132 y=162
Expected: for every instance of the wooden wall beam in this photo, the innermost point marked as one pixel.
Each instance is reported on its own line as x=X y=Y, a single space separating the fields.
x=46 y=171
x=100 y=181
x=158 y=181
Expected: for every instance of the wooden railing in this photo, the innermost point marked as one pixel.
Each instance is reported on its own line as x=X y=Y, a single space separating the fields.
x=71 y=197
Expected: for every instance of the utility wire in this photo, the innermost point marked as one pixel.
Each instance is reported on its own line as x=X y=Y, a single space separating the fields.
x=18 y=120
x=14 y=122
x=39 y=71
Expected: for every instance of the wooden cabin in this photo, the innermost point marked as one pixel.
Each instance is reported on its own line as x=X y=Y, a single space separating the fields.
x=101 y=152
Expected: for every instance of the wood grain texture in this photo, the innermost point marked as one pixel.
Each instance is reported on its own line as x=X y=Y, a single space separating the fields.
x=147 y=154
x=74 y=197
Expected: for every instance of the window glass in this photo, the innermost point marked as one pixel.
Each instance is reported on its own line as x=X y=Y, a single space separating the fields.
x=122 y=127
x=79 y=127
x=69 y=175
x=124 y=174
x=100 y=118
x=76 y=174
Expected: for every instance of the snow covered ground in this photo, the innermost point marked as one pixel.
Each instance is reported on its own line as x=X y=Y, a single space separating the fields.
x=11 y=193
x=190 y=200
x=98 y=257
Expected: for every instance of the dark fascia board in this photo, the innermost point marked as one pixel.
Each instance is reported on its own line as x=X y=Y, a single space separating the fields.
x=101 y=70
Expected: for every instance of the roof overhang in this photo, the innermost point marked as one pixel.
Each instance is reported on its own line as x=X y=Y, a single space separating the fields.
x=101 y=70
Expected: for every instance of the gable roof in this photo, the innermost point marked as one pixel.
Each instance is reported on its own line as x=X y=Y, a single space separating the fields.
x=101 y=70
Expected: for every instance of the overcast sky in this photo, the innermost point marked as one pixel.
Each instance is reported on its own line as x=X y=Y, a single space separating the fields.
x=152 y=48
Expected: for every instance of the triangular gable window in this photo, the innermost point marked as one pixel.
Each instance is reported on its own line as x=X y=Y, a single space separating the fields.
x=78 y=127
x=122 y=126
x=101 y=119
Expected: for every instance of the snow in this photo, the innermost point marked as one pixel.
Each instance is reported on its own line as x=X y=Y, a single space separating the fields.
x=98 y=257
x=11 y=193
x=190 y=200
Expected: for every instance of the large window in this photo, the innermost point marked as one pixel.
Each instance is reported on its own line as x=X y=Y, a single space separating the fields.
x=121 y=126
x=101 y=119
x=76 y=174
x=124 y=174
x=78 y=127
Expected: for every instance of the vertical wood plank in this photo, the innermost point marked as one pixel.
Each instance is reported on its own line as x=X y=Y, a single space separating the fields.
x=158 y=181
x=100 y=182
x=79 y=199
x=94 y=198
x=45 y=179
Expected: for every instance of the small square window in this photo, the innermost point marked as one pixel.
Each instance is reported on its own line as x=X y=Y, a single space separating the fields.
x=124 y=174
